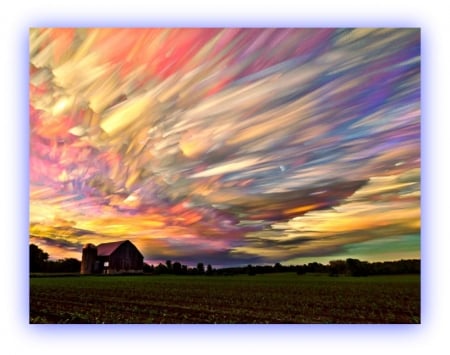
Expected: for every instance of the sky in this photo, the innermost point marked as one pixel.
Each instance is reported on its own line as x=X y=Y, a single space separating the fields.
x=226 y=146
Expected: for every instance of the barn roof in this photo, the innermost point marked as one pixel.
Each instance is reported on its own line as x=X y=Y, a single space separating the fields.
x=107 y=249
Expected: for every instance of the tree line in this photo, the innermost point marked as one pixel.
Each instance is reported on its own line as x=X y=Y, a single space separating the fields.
x=39 y=262
x=176 y=268
x=348 y=267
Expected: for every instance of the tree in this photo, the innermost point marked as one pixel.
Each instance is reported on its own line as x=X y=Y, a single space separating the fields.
x=38 y=258
x=70 y=265
x=316 y=267
x=184 y=269
x=357 y=267
x=337 y=267
x=148 y=268
x=201 y=268
x=169 y=265
x=161 y=269
x=278 y=267
x=176 y=268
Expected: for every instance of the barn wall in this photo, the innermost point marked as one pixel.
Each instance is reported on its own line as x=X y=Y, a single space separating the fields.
x=99 y=269
x=126 y=258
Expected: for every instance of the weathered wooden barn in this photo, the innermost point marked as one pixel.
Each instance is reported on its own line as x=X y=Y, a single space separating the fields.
x=112 y=258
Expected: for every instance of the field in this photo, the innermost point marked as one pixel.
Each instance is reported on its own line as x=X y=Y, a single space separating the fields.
x=271 y=298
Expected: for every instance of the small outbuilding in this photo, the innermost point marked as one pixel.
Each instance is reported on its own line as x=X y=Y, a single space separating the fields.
x=112 y=258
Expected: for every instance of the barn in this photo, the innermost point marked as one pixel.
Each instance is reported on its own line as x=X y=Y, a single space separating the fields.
x=111 y=258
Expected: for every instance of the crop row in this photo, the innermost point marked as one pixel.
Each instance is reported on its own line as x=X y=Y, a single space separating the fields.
x=261 y=299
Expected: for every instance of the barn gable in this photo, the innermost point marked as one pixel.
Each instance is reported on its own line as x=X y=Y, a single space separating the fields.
x=112 y=258
x=106 y=249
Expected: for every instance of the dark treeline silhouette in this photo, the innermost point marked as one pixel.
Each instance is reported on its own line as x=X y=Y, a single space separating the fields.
x=177 y=268
x=39 y=262
x=63 y=265
x=355 y=267
x=277 y=268
x=349 y=267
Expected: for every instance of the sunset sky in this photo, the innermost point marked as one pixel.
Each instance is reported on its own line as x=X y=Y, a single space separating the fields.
x=226 y=146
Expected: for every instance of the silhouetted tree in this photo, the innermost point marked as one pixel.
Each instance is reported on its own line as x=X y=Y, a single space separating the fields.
x=161 y=269
x=337 y=267
x=38 y=258
x=357 y=267
x=70 y=265
x=148 y=268
x=209 y=270
x=277 y=267
x=184 y=269
x=176 y=268
x=169 y=265
x=200 y=268
x=315 y=267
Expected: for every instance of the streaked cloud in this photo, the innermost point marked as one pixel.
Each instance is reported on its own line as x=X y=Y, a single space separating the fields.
x=234 y=144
